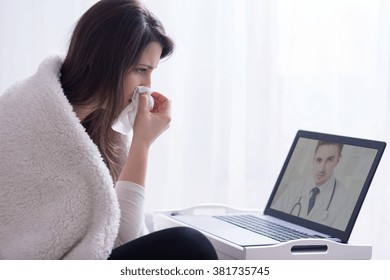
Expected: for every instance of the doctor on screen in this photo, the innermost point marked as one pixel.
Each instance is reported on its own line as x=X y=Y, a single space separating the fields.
x=320 y=198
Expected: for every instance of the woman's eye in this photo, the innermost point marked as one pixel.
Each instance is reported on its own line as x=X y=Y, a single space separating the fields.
x=141 y=70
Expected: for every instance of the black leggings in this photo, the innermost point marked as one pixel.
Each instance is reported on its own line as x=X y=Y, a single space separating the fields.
x=178 y=243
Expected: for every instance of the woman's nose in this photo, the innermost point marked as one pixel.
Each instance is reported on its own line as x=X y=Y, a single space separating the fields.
x=147 y=81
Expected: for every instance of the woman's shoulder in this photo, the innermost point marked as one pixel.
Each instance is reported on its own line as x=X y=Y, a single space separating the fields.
x=29 y=88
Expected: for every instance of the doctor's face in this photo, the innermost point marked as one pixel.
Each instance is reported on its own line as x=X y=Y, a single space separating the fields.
x=325 y=160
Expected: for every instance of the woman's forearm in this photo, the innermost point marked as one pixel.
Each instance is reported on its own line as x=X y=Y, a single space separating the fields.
x=134 y=169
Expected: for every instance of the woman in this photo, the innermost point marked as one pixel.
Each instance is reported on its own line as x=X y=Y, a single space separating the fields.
x=70 y=186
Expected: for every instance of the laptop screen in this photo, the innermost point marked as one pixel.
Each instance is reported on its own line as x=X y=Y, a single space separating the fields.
x=324 y=181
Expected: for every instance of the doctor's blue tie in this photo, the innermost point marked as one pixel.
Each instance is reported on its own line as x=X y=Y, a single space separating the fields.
x=312 y=199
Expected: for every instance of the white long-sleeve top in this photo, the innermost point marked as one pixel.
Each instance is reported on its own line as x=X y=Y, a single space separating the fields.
x=131 y=199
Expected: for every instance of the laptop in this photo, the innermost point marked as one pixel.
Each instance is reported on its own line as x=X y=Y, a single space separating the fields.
x=341 y=167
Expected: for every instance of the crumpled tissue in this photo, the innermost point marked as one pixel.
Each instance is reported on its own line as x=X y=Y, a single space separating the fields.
x=125 y=121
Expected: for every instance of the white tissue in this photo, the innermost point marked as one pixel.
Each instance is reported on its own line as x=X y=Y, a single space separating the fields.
x=125 y=121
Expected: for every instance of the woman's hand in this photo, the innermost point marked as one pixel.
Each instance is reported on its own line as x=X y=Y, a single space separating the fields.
x=148 y=125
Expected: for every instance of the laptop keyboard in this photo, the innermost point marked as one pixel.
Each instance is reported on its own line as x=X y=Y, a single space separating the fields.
x=264 y=227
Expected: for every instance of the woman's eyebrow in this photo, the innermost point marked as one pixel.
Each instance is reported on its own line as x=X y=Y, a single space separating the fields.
x=146 y=65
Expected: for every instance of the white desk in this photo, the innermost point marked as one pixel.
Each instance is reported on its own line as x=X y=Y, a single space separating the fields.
x=302 y=249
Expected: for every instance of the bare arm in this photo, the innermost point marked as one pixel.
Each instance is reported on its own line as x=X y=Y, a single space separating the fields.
x=148 y=126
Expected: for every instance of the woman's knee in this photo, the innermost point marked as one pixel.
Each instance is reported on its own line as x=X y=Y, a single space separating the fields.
x=193 y=241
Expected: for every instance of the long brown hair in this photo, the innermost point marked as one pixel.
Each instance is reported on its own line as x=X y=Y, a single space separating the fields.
x=107 y=41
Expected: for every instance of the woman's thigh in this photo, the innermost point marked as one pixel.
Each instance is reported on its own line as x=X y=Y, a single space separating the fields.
x=178 y=243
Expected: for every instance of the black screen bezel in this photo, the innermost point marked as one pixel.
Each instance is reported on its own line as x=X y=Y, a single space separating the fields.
x=335 y=233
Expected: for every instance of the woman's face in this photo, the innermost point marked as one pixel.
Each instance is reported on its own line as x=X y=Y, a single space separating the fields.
x=140 y=74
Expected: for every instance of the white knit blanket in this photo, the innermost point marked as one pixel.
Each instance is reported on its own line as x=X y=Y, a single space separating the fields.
x=57 y=199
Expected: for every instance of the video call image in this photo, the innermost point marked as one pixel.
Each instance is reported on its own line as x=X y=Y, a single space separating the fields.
x=322 y=181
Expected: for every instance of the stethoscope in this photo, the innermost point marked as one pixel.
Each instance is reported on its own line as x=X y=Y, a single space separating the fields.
x=325 y=214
